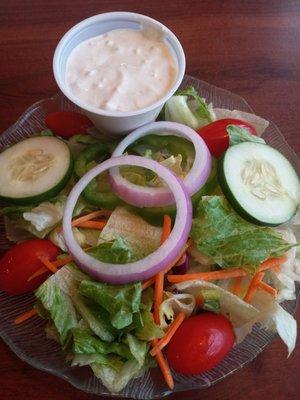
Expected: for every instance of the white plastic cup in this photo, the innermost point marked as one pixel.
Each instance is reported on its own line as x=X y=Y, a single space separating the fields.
x=112 y=121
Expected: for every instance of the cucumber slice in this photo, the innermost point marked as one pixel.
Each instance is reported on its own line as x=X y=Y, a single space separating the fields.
x=34 y=170
x=260 y=183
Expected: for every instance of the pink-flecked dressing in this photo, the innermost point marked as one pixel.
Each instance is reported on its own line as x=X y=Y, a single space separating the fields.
x=122 y=70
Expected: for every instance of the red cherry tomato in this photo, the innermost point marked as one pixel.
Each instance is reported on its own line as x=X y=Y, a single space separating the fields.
x=21 y=261
x=216 y=137
x=67 y=123
x=200 y=343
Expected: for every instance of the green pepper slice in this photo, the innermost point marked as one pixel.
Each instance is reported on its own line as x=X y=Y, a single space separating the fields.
x=98 y=191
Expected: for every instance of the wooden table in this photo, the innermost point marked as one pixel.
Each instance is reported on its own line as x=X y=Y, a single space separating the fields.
x=249 y=47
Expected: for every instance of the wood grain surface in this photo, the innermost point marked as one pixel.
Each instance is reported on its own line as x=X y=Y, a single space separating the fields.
x=249 y=47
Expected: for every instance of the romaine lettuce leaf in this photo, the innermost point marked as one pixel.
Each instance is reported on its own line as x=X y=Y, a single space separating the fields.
x=141 y=237
x=115 y=252
x=188 y=108
x=238 y=134
x=45 y=216
x=96 y=317
x=149 y=330
x=138 y=348
x=86 y=343
x=260 y=124
x=230 y=241
x=115 y=379
x=60 y=308
x=120 y=301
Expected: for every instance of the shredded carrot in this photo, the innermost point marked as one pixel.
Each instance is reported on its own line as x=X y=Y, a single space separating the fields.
x=158 y=295
x=148 y=283
x=169 y=334
x=99 y=225
x=224 y=274
x=264 y=286
x=237 y=286
x=253 y=286
x=48 y=264
x=37 y=273
x=92 y=215
x=25 y=316
x=166 y=230
x=164 y=366
x=60 y=262
x=273 y=263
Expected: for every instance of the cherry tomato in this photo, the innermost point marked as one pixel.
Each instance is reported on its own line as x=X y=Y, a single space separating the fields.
x=216 y=137
x=67 y=123
x=200 y=343
x=21 y=261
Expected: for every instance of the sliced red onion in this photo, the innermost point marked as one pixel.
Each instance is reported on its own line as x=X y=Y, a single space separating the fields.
x=161 y=258
x=141 y=196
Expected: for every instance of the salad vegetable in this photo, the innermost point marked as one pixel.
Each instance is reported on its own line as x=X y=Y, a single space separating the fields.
x=161 y=196
x=221 y=134
x=34 y=170
x=260 y=183
x=151 y=252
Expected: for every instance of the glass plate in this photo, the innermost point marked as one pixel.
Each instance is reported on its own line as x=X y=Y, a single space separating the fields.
x=29 y=341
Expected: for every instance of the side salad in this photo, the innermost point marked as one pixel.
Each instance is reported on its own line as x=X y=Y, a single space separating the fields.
x=149 y=250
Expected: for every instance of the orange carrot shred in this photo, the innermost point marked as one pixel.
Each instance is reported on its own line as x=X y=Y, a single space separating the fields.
x=99 y=225
x=253 y=286
x=158 y=295
x=37 y=273
x=224 y=274
x=60 y=262
x=199 y=301
x=264 y=286
x=237 y=286
x=25 y=316
x=166 y=230
x=92 y=215
x=148 y=283
x=164 y=366
x=169 y=334
x=48 y=264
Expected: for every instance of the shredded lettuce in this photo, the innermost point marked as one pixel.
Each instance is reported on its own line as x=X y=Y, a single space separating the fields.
x=237 y=135
x=119 y=301
x=188 y=108
x=230 y=241
x=60 y=308
x=115 y=251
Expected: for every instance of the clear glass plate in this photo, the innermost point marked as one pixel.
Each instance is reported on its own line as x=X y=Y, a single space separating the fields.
x=29 y=341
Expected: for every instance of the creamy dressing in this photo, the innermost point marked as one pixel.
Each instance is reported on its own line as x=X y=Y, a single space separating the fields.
x=121 y=70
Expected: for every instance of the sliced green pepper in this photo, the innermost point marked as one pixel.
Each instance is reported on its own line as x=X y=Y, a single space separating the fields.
x=98 y=191
x=171 y=144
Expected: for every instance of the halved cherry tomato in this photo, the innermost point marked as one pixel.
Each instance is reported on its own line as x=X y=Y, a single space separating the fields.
x=200 y=343
x=21 y=261
x=67 y=123
x=216 y=137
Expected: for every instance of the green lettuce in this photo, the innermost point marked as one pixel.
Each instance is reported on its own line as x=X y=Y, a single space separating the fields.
x=119 y=301
x=96 y=317
x=60 y=308
x=237 y=135
x=230 y=241
x=188 y=108
x=86 y=343
x=114 y=251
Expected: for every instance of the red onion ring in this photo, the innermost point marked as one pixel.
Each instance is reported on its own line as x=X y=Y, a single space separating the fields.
x=153 y=263
x=141 y=196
